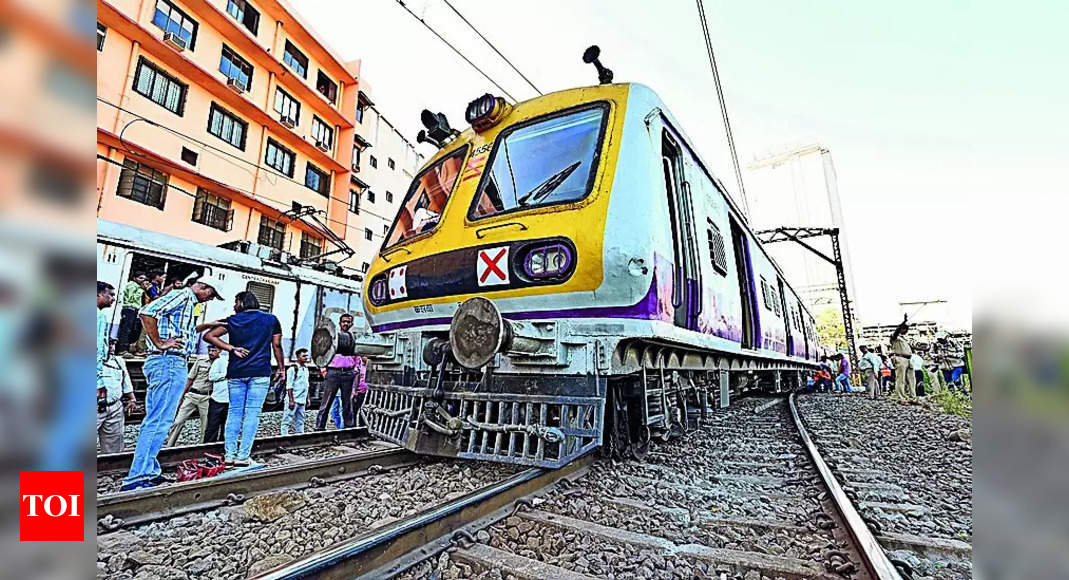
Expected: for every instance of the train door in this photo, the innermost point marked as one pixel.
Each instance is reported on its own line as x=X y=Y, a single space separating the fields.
x=788 y=317
x=751 y=325
x=686 y=279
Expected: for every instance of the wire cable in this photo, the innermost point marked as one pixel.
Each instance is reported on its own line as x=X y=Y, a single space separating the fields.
x=455 y=49
x=491 y=45
x=723 y=107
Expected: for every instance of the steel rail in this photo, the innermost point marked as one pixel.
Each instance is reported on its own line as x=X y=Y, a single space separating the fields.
x=275 y=444
x=139 y=506
x=873 y=557
x=376 y=553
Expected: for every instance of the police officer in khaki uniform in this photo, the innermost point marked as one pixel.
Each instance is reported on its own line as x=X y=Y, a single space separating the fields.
x=901 y=352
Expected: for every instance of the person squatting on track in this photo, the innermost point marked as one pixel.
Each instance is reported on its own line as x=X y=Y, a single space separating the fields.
x=168 y=324
x=339 y=375
x=869 y=365
x=842 y=380
x=254 y=335
x=822 y=380
x=219 y=401
x=297 y=391
x=111 y=415
x=901 y=352
x=195 y=399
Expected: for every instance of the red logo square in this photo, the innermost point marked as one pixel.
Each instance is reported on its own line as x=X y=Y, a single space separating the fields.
x=51 y=506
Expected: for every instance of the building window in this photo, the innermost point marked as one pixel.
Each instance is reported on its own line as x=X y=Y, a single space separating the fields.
x=374 y=162
x=717 y=252
x=160 y=87
x=391 y=164
x=236 y=68
x=272 y=233
x=213 y=211
x=356 y=158
x=367 y=234
x=102 y=32
x=322 y=133
x=317 y=180
x=189 y=156
x=287 y=106
x=227 y=126
x=280 y=158
x=389 y=197
x=311 y=246
x=295 y=59
x=245 y=14
x=142 y=184
x=354 y=202
x=326 y=87
x=170 y=18
x=359 y=114
x=370 y=196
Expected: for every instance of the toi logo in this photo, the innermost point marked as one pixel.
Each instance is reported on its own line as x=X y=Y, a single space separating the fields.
x=51 y=506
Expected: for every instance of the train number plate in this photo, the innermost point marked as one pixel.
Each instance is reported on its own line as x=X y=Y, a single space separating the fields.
x=424 y=309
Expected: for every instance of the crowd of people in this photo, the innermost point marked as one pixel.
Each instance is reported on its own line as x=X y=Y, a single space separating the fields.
x=900 y=373
x=226 y=389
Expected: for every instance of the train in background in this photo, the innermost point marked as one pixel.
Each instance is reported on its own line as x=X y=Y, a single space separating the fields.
x=303 y=298
x=566 y=274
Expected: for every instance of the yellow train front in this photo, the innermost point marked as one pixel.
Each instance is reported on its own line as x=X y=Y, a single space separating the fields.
x=543 y=263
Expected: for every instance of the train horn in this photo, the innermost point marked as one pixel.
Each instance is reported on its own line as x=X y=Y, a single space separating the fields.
x=478 y=332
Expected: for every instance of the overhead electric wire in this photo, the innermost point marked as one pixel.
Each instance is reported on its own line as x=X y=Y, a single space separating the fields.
x=455 y=49
x=491 y=45
x=723 y=107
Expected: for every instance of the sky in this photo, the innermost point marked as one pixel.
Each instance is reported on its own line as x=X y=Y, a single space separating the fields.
x=945 y=119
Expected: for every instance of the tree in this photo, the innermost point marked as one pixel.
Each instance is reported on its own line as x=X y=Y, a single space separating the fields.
x=830 y=330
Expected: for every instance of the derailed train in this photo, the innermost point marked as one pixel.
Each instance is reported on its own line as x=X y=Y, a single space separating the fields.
x=565 y=274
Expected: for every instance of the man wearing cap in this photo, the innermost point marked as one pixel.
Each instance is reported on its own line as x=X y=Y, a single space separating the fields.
x=168 y=322
x=901 y=353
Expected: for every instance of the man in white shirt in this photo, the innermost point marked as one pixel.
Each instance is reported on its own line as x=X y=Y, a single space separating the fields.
x=297 y=391
x=917 y=364
x=110 y=411
x=219 y=400
x=869 y=365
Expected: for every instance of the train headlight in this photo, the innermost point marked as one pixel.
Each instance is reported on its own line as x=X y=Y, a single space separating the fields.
x=377 y=291
x=547 y=261
x=486 y=111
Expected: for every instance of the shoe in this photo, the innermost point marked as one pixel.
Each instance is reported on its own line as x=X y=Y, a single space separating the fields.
x=245 y=463
x=135 y=485
x=160 y=479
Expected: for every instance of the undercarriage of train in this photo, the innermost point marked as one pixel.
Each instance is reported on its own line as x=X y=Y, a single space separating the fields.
x=461 y=408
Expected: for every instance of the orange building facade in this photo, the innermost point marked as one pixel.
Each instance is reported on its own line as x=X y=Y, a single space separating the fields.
x=214 y=117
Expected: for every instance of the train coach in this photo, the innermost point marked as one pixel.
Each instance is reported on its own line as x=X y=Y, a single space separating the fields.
x=566 y=273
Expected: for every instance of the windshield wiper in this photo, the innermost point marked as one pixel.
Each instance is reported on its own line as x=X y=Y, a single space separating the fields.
x=547 y=186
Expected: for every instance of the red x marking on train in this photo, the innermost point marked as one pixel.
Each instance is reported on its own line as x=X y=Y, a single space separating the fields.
x=487 y=269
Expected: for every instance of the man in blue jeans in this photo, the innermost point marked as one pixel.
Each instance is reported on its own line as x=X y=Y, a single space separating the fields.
x=168 y=324
x=254 y=336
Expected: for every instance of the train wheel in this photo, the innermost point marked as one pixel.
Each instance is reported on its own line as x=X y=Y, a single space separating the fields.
x=617 y=438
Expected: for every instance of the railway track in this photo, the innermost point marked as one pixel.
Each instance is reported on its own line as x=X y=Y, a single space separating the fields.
x=745 y=496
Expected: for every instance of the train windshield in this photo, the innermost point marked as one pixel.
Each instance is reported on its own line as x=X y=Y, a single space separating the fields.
x=546 y=162
x=426 y=199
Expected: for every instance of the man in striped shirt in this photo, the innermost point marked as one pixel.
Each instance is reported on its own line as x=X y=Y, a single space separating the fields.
x=168 y=322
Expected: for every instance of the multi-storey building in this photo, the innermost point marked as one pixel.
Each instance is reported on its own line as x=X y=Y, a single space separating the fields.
x=215 y=117
x=384 y=164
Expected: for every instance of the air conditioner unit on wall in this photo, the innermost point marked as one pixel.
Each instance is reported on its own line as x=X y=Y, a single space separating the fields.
x=322 y=146
x=235 y=84
x=288 y=122
x=176 y=42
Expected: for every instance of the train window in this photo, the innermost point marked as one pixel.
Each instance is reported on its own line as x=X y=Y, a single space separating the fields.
x=717 y=252
x=426 y=198
x=775 y=303
x=765 y=294
x=265 y=293
x=543 y=162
